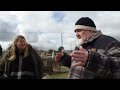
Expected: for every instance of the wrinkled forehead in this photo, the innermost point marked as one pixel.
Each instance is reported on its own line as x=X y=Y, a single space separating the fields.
x=79 y=30
x=83 y=27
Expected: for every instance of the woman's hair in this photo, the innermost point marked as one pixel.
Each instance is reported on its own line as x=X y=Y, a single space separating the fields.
x=17 y=38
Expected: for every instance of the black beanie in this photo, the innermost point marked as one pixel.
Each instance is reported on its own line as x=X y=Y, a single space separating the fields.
x=85 y=23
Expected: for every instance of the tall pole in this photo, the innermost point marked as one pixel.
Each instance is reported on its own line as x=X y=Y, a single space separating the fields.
x=61 y=38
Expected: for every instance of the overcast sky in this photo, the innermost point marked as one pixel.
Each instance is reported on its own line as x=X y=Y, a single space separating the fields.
x=44 y=29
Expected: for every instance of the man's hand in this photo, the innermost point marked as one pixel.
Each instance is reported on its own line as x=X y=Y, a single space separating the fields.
x=80 y=56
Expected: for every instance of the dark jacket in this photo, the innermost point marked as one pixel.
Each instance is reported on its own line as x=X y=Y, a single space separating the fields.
x=66 y=60
x=103 y=61
x=30 y=55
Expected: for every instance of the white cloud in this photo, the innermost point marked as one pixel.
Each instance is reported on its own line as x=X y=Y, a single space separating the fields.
x=43 y=28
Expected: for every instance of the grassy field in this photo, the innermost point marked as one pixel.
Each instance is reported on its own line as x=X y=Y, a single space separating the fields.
x=57 y=76
x=62 y=74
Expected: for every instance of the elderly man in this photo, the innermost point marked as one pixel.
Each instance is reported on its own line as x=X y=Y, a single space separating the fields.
x=96 y=56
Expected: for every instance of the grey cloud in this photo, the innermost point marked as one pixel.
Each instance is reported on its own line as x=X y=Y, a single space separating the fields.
x=39 y=22
x=7 y=31
x=31 y=37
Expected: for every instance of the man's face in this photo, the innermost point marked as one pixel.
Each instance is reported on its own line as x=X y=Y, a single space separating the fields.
x=62 y=52
x=82 y=34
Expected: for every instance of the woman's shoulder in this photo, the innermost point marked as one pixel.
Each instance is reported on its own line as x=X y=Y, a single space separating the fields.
x=31 y=47
x=32 y=50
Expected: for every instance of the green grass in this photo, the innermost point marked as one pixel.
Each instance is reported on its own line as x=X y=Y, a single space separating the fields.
x=57 y=76
x=62 y=74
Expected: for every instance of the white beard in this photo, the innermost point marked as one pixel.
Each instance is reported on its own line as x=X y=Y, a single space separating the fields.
x=79 y=42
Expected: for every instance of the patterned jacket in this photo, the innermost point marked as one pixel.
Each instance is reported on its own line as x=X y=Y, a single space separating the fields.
x=103 y=61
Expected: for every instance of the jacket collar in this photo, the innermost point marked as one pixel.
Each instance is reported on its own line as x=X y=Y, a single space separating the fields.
x=94 y=36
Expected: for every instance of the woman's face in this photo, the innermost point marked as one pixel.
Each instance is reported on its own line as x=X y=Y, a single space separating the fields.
x=21 y=44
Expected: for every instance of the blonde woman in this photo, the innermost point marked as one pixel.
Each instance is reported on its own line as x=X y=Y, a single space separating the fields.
x=21 y=61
